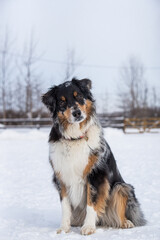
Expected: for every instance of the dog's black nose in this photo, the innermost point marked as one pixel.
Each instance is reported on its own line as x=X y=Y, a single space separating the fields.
x=76 y=113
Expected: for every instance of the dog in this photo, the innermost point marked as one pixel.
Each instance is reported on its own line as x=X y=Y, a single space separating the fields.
x=91 y=188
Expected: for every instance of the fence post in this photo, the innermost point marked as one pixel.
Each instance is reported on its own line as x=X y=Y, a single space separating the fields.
x=144 y=125
x=124 y=125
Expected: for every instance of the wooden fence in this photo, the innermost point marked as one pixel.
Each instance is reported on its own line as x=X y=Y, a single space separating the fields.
x=25 y=122
x=115 y=122
x=140 y=124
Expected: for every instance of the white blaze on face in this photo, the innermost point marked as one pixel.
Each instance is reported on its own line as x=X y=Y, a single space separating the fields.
x=67 y=84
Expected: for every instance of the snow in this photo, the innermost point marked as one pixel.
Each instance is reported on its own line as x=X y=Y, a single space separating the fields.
x=29 y=204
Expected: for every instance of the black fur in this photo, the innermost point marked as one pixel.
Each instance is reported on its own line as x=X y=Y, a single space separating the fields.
x=55 y=134
x=96 y=178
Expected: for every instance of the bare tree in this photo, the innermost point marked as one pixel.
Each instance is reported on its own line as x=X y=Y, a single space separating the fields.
x=154 y=98
x=133 y=91
x=10 y=98
x=155 y=102
x=19 y=95
x=71 y=64
x=37 y=97
x=30 y=76
x=5 y=71
x=105 y=102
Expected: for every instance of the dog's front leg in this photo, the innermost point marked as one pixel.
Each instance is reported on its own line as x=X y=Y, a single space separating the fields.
x=66 y=211
x=96 y=203
x=89 y=225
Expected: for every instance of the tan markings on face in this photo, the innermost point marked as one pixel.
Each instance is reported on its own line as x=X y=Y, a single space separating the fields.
x=87 y=109
x=64 y=117
x=82 y=107
x=75 y=93
x=102 y=197
x=91 y=161
x=118 y=203
x=63 y=98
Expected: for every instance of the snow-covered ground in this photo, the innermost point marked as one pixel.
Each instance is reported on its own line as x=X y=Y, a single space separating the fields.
x=29 y=205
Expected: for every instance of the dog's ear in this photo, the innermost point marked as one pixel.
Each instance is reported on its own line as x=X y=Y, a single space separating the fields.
x=49 y=99
x=83 y=83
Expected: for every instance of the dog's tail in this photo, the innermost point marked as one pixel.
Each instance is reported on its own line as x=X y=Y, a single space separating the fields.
x=133 y=210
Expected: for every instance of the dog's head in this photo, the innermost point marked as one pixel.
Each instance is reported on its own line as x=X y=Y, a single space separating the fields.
x=71 y=102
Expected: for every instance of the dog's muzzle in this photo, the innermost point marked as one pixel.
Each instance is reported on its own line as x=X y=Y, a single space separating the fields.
x=77 y=115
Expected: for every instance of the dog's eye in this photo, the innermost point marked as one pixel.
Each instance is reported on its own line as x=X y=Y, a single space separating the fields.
x=79 y=97
x=61 y=103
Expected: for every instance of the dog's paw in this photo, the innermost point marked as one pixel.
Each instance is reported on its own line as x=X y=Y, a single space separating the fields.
x=87 y=230
x=65 y=229
x=127 y=224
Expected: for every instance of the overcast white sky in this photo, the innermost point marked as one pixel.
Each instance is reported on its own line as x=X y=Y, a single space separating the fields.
x=103 y=32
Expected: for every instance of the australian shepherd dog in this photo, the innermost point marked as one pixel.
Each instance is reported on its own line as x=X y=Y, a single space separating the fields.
x=91 y=188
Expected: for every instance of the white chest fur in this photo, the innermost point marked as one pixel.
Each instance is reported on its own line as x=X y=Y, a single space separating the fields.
x=70 y=158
